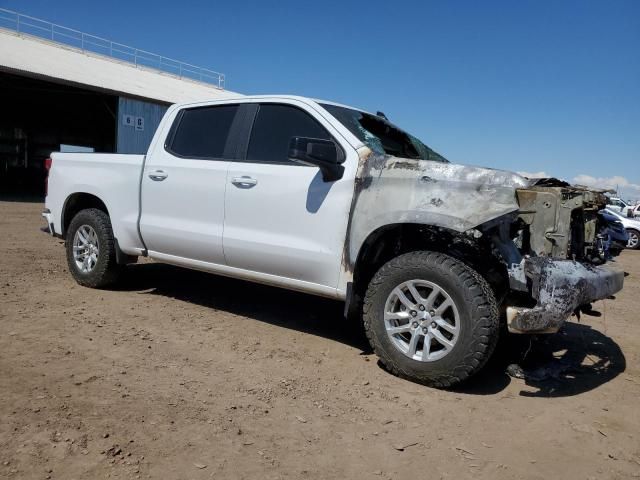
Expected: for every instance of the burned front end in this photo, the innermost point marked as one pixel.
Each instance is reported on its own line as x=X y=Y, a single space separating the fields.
x=557 y=246
x=544 y=245
x=564 y=221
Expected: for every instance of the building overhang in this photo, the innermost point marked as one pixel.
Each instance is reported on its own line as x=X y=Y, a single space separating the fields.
x=38 y=58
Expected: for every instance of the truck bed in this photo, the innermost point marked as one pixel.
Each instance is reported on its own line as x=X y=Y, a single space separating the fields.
x=113 y=178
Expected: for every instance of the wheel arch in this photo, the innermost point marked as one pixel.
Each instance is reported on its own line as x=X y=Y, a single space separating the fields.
x=392 y=240
x=75 y=203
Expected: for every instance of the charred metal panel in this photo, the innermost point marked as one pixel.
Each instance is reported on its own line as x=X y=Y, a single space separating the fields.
x=390 y=190
x=559 y=287
x=551 y=213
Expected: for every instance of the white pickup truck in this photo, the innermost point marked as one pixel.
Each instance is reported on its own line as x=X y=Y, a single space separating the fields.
x=330 y=200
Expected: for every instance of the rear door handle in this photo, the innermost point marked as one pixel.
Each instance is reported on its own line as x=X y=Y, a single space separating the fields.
x=158 y=175
x=244 y=182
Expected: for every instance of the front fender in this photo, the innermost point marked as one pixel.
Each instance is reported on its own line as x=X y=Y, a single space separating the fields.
x=456 y=197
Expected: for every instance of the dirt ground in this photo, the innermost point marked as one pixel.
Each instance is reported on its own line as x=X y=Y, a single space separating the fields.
x=184 y=375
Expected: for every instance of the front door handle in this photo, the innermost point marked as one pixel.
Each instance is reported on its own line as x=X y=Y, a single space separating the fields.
x=158 y=175
x=244 y=182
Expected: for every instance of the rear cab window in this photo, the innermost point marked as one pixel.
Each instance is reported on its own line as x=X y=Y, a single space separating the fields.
x=202 y=132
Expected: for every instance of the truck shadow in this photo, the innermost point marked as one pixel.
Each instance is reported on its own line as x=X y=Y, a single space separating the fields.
x=576 y=360
x=287 y=309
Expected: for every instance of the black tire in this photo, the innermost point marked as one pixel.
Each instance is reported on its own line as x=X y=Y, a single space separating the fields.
x=106 y=270
x=477 y=309
x=635 y=232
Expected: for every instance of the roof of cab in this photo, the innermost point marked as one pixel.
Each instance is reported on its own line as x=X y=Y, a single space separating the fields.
x=253 y=98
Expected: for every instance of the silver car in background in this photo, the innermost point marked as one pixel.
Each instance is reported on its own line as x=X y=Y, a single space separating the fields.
x=631 y=225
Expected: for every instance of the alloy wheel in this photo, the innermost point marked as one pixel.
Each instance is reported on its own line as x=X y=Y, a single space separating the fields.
x=86 y=248
x=422 y=320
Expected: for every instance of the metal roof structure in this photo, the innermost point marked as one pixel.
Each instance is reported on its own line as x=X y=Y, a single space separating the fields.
x=40 y=49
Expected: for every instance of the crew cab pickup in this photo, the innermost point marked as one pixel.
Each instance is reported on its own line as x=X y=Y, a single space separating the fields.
x=334 y=201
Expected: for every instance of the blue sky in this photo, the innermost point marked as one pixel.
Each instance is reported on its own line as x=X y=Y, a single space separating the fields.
x=530 y=85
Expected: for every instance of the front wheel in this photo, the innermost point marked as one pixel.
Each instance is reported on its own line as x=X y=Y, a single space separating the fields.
x=91 y=249
x=430 y=318
x=634 y=239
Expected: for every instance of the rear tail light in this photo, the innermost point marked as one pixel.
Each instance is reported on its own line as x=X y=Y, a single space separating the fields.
x=48 y=163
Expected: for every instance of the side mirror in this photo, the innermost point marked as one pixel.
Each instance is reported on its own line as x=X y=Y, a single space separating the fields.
x=324 y=154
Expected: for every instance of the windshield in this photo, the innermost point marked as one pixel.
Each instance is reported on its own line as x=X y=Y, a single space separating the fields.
x=381 y=136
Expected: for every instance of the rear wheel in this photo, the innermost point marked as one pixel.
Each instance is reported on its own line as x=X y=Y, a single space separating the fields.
x=634 y=239
x=430 y=318
x=91 y=253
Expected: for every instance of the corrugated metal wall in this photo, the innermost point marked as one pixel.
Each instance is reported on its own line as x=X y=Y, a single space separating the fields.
x=137 y=123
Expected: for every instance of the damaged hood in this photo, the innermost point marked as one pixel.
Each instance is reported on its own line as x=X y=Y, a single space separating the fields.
x=460 y=197
x=454 y=196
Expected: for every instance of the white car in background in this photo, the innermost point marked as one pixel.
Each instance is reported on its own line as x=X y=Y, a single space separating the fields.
x=617 y=205
x=632 y=212
x=632 y=226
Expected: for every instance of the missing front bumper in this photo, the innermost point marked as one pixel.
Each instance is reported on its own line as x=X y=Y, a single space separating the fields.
x=559 y=287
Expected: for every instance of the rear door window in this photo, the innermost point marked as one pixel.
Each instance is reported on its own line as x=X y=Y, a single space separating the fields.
x=273 y=128
x=202 y=132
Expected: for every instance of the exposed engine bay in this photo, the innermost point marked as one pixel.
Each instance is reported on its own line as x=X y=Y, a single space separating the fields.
x=564 y=221
x=555 y=250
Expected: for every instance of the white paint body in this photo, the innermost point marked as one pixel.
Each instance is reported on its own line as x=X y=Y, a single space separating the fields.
x=291 y=223
x=288 y=229
x=113 y=178
x=275 y=223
